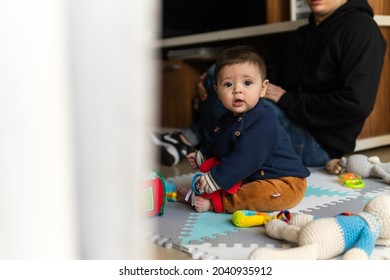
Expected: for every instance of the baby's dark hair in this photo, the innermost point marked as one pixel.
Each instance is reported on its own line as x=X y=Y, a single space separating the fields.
x=238 y=55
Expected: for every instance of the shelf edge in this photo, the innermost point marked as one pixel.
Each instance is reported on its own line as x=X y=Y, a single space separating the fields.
x=250 y=31
x=231 y=34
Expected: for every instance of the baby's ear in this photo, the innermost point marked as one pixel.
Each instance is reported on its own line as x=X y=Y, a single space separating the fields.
x=264 y=87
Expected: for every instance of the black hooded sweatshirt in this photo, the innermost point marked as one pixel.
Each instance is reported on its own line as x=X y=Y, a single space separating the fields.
x=331 y=74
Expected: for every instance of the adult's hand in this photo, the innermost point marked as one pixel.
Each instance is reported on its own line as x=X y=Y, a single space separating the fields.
x=191 y=160
x=202 y=92
x=274 y=92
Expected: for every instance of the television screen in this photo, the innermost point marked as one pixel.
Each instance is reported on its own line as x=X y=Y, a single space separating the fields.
x=185 y=17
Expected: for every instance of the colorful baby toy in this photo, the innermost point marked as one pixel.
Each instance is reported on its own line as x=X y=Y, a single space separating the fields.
x=249 y=218
x=153 y=195
x=351 y=180
x=195 y=183
x=366 y=167
x=353 y=235
x=214 y=197
x=170 y=190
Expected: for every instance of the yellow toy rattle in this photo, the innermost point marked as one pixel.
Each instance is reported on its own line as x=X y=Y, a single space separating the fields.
x=351 y=180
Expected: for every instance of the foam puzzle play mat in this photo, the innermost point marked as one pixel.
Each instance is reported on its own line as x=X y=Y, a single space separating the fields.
x=212 y=235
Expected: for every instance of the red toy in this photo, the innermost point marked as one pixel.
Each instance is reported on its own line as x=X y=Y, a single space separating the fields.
x=214 y=197
x=153 y=195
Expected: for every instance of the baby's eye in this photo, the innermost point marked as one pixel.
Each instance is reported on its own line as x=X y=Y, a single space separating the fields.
x=248 y=83
x=227 y=84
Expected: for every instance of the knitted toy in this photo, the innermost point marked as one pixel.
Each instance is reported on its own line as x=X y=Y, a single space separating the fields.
x=355 y=236
x=366 y=167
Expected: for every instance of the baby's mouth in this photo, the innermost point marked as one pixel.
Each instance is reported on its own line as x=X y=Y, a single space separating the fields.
x=238 y=102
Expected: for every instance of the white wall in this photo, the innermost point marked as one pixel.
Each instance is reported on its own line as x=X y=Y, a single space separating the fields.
x=114 y=77
x=76 y=79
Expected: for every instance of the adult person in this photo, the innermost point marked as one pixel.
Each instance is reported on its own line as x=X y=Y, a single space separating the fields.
x=326 y=83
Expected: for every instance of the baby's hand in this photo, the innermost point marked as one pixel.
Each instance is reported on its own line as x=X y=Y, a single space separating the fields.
x=204 y=186
x=191 y=160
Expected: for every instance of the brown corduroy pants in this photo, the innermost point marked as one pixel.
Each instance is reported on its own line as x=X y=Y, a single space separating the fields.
x=266 y=195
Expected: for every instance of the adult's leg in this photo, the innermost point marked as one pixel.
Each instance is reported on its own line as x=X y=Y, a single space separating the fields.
x=304 y=143
x=193 y=133
x=211 y=109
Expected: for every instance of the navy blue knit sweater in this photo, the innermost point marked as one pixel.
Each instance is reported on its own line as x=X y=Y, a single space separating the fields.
x=251 y=147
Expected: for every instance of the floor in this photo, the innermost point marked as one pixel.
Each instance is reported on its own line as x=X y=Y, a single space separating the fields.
x=161 y=253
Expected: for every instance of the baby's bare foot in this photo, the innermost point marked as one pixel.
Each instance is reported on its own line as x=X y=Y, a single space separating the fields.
x=333 y=166
x=202 y=204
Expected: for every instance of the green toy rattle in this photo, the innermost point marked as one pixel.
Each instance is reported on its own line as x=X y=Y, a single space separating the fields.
x=351 y=180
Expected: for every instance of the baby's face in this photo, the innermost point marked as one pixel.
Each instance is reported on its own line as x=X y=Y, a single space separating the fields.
x=240 y=86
